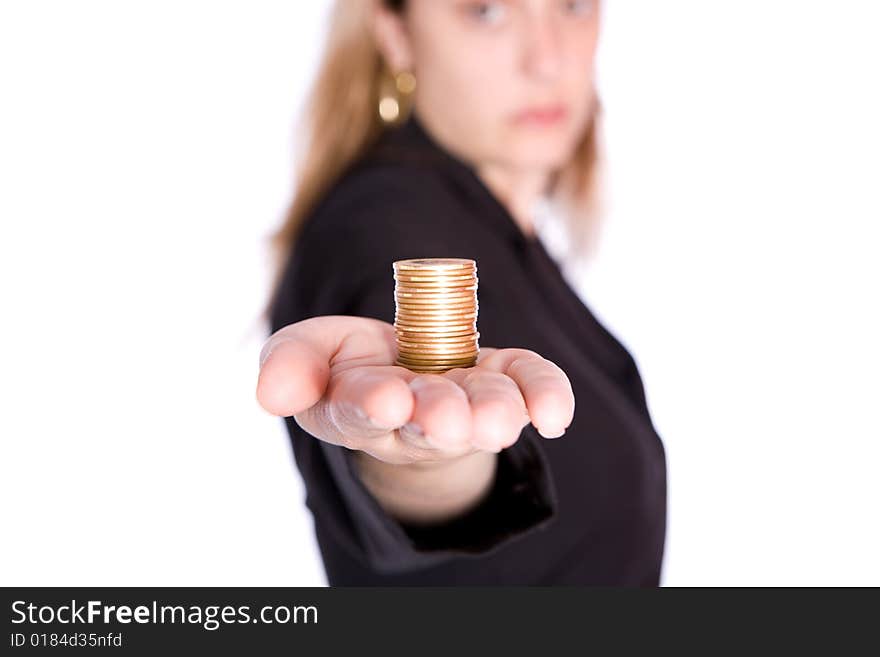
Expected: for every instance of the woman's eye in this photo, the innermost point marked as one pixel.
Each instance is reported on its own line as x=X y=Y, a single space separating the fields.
x=579 y=7
x=490 y=13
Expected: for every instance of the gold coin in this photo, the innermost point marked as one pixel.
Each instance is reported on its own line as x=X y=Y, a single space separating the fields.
x=404 y=295
x=439 y=286
x=432 y=332
x=429 y=276
x=436 y=289
x=435 y=264
x=429 y=349
x=407 y=333
x=440 y=332
x=457 y=351
x=416 y=357
x=431 y=281
x=437 y=369
x=423 y=340
x=438 y=293
x=445 y=324
x=436 y=306
x=421 y=295
x=459 y=272
x=461 y=362
x=442 y=339
x=416 y=320
x=435 y=360
x=406 y=341
x=418 y=360
x=434 y=314
x=437 y=301
x=439 y=297
x=447 y=328
x=467 y=281
x=442 y=355
x=422 y=360
x=449 y=349
x=436 y=331
x=433 y=274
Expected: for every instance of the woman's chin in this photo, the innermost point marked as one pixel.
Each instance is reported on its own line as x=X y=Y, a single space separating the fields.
x=537 y=154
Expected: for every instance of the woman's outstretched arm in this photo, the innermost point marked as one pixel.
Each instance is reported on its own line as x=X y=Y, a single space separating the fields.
x=426 y=444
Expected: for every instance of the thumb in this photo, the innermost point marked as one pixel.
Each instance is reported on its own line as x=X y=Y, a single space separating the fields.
x=293 y=373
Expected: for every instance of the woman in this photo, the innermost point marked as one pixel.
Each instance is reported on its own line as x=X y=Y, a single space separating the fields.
x=460 y=477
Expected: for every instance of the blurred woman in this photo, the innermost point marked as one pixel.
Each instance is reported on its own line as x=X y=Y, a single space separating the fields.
x=436 y=128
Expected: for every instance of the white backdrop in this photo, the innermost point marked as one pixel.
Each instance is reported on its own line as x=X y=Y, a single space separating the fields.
x=146 y=153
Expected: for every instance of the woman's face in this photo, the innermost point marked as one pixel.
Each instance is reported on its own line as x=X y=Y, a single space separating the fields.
x=501 y=82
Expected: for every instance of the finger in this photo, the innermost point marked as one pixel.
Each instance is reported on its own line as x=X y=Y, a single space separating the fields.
x=413 y=435
x=498 y=410
x=545 y=387
x=367 y=402
x=296 y=361
x=442 y=415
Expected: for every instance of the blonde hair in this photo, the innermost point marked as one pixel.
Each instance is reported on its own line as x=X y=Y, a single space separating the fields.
x=341 y=121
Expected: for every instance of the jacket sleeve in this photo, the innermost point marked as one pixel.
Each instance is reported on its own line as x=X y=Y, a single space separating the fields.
x=342 y=264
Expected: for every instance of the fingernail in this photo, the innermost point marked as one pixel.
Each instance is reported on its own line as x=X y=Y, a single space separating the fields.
x=265 y=352
x=363 y=416
x=414 y=428
x=378 y=425
x=268 y=348
x=549 y=434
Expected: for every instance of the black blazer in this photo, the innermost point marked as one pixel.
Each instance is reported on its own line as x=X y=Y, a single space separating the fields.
x=586 y=508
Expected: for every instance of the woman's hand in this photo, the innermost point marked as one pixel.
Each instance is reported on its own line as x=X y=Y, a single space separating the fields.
x=336 y=376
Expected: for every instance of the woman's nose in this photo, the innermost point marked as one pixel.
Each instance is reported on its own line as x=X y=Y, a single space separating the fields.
x=543 y=52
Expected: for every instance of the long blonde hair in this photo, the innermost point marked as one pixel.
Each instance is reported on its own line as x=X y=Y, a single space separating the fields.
x=341 y=121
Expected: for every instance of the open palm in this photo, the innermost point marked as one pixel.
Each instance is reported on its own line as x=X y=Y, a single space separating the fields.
x=335 y=374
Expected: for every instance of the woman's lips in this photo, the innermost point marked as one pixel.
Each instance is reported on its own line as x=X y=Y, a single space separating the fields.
x=541 y=116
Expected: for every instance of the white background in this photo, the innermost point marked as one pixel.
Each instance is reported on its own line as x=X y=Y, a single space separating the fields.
x=146 y=152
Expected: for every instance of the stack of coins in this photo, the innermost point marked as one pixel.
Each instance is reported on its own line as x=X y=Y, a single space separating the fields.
x=436 y=313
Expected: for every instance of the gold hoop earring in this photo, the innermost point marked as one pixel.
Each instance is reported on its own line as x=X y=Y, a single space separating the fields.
x=394 y=102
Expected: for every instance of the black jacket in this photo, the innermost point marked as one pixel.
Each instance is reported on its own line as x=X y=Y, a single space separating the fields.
x=586 y=508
